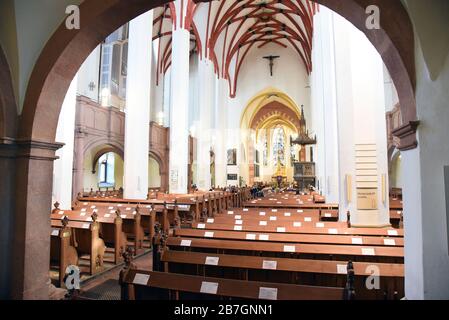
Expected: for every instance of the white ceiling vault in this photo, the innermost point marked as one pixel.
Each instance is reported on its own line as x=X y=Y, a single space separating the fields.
x=225 y=31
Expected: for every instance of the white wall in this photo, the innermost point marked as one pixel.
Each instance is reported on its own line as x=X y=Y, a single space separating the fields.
x=63 y=167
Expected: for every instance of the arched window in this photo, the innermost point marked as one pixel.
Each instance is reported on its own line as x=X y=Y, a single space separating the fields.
x=279 y=146
x=106 y=173
x=264 y=144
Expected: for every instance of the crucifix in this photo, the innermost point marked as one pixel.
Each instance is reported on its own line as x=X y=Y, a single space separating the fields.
x=271 y=58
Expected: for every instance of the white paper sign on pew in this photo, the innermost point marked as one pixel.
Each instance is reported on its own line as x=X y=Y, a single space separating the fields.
x=333 y=231
x=245 y=210
x=263 y=223
x=280 y=229
x=210 y=220
x=250 y=236
x=238 y=217
x=319 y=225
x=273 y=218
x=297 y=224
x=264 y=237
x=238 y=222
x=237 y=228
x=342 y=269
x=141 y=279
x=389 y=242
x=287 y=214
x=308 y=219
x=357 y=241
x=262 y=213
x=55 y=232
x=186 y=243
x=86 y=226
x=212 y=261
x=368 y=252
x=208 y=234
x=209 y=287
x=392 y=233
x=269 y=265
x=268 y=293
x=289 y=249
x=201 y=226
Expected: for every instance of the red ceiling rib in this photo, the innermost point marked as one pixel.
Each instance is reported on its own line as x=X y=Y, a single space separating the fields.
x=242 y=24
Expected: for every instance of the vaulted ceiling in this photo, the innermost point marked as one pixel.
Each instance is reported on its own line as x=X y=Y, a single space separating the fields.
x=226 y=31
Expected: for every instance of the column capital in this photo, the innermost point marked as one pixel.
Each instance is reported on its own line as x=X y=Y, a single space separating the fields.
x=407 y=135
x=31 y=149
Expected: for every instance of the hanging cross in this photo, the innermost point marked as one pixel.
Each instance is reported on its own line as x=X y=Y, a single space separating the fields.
x=271 y=58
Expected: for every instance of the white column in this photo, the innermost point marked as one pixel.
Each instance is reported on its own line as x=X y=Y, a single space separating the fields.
x=221 y=129
x=179 y=107
x=324 y=106
x=137 y=123
x=361 y=127
x=206 y=103
x=63 y=167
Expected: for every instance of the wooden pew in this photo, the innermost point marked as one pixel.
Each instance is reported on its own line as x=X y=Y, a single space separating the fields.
x=283 y=270
x=301 y=228
x=62 y=253
x=293 y=238
x=114 y=229
x=86 y=239
x=147 y=285
x=265 y=248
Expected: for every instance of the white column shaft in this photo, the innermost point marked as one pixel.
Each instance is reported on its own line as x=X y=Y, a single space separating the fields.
x=179 y=132
x=137 y=123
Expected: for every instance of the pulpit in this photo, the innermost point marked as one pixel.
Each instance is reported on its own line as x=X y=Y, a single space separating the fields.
x=305 y=174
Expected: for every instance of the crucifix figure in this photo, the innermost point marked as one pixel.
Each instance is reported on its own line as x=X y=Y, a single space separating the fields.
x=271 y=58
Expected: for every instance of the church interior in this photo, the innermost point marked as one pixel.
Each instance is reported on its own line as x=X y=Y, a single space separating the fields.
x=253 y=149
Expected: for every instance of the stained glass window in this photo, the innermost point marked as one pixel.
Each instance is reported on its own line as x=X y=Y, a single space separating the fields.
x=279 y=146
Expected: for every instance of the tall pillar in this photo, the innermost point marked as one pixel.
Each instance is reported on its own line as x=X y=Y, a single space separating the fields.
x=179 y=102
x=324 y=107
x=221 y=128
x=30 y=258
x=206 y=103
x=63 y=167
x=361 y=128
x=137 y=120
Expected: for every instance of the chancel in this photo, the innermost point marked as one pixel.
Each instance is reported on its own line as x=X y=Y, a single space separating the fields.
x=149 y=155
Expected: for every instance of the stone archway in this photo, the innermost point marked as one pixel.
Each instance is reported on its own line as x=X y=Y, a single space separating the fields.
x=57 y=65
x=163 y=169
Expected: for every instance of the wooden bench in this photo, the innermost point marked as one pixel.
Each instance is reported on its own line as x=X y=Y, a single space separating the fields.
x=300 y=227
x=147 y=285
x=62 y=253
x=288 y=250
x=114 y=227
x=294 y=238
x=283 y=270
x=87 y=241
